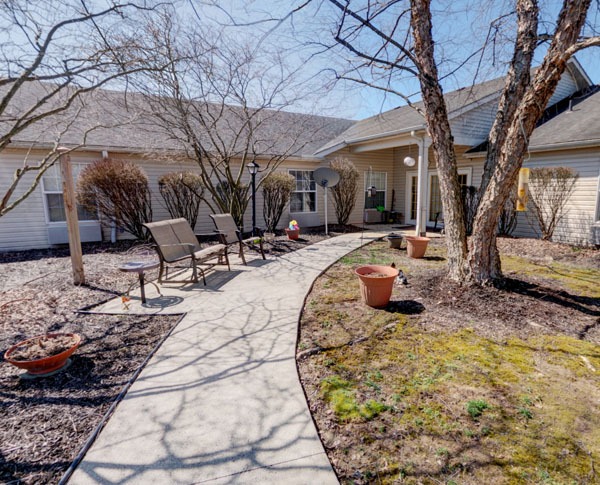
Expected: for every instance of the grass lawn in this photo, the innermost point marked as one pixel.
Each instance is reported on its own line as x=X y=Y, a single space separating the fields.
x=455 y=385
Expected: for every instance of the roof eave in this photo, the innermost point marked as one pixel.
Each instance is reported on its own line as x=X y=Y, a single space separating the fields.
x=549 y=147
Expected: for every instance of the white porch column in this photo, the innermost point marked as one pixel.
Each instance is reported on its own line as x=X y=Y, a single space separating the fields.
x=424 y=144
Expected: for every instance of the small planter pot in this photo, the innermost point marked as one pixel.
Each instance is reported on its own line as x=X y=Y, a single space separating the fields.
x=376 y=284
x=292 y=234
x=395 y=241
x=416 y=246
x=47 y=364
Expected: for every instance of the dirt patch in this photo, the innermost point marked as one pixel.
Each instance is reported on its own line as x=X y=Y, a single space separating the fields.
x=455 y=384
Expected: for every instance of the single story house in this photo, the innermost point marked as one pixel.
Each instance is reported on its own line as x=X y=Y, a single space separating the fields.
x=568 y=136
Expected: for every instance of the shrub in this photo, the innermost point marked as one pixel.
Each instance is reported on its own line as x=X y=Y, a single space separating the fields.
x=119 y=191
x=549 y=190
x=344 y=193
x=507 y=222
x=182 y=193
x=277 y=189
x=470 y=197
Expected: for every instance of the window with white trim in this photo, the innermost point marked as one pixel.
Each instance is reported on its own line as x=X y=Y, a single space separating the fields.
x=304 y=197
x=379 y=181
x=53 y=196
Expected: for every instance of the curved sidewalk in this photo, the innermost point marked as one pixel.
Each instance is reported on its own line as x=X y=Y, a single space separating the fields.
x=220 y=401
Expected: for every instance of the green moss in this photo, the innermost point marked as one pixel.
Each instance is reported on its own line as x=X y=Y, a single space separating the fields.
x=340 y=395
x=582 y=281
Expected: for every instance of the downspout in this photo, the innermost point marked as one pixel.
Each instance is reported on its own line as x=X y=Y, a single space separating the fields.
x=421 y=228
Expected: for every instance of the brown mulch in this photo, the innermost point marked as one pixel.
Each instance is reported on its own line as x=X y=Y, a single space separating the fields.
x=46 y=421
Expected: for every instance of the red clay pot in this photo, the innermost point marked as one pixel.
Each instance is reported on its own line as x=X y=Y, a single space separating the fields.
x=416 y=246
x=292 y=234
x=47 y=364
x=376 y=284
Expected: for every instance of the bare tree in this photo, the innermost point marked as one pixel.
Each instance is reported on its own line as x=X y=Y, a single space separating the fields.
x=182 y=193
x=52 y=54
x=345 y=191
x=549 y=191
x=222 y=102
x=405 y=44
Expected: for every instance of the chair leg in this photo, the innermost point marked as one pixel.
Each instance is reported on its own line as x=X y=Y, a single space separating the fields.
x=242 y=253
x=160 y=271
x=195 y=272
x=226 y=259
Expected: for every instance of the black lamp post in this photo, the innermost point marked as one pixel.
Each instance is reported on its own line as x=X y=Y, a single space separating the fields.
x=253 y=169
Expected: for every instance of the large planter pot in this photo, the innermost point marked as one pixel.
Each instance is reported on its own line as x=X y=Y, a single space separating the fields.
x=395 y=241
x=376 y=284
x=292 y=234
x=47 y=364
x=416 y=246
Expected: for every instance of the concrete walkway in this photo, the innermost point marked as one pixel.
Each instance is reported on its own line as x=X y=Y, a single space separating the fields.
x=220 y=402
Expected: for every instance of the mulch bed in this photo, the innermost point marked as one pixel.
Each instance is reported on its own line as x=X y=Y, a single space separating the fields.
x=46 y=421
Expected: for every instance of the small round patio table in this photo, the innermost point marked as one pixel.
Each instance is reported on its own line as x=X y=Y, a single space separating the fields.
x=140 y=267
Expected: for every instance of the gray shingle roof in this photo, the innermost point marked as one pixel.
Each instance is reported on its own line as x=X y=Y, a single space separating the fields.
x=120 y=122
x=406 y=118
x=581 y=124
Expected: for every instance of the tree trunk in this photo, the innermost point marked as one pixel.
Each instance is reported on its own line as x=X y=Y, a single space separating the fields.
x=484 y=263
x=436 y=117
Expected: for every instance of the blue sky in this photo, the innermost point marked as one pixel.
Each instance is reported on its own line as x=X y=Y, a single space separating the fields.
x=460 y=27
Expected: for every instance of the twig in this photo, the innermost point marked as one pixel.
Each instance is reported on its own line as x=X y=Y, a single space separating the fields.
x=14 y=301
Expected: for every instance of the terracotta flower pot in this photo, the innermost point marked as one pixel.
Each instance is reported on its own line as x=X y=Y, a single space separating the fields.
x=292 y=234
x=416 y=246
x=376 y=284
x=44 y=365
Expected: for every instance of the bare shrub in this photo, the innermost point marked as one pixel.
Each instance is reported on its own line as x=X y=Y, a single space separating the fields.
x=119 y=191
x=549 y=190
x=344 y=193
x=277 y=189
x=507 y=222
x=182 y=193
x=470 y=197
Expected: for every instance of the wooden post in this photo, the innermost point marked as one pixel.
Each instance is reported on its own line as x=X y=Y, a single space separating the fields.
x=71 y=216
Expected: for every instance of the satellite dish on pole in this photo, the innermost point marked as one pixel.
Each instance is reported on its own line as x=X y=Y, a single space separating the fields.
x=326 y=177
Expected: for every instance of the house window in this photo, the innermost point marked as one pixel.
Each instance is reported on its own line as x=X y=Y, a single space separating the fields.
x=52 y=189
x=379 y=181
x=304 y=198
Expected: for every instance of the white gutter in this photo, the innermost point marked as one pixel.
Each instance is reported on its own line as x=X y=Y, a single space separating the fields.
x=548 y=147
x=363 y=139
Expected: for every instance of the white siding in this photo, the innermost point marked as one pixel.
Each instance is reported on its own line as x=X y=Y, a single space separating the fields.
x=577 y=225
x=25 y=226
x=378 y=161
x=475 y=125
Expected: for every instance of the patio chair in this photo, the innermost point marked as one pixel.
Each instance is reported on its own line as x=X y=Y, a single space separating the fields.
x=176 y=242
x=230 y=234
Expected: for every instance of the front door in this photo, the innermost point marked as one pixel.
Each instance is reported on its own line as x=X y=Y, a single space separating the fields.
x=412 y=181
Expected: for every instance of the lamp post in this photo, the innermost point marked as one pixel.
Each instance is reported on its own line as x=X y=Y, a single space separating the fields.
x=253 y=169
